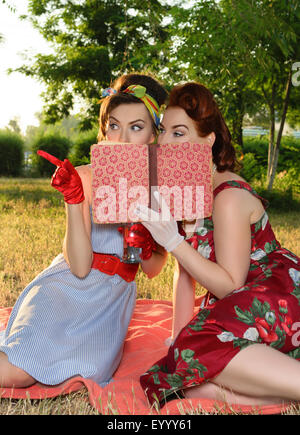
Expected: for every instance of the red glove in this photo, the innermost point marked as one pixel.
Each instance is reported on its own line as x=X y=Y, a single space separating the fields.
x=65 y=179
x=140 y=237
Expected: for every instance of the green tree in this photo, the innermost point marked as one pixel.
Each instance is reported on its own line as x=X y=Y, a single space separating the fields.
x=272 y=35
x=93 y=42
x=243 y=50
x=14 y=126
x=293 y=115
x=207 y=48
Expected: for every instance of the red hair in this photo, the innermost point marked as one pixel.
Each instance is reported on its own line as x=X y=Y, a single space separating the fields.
x=199 y=104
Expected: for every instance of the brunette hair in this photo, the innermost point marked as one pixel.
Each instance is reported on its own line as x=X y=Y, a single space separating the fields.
x=153 y=88
x=199 y=104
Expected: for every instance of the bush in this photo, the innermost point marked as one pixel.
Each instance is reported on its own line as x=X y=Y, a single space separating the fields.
x=289 y=154
x=289 y=149
x=280 y=200
x=251 y=169
x=11 y=153
x=81 y=154
x=258 y=147
x=56 y=145
x=255 y=160
x=288 y=180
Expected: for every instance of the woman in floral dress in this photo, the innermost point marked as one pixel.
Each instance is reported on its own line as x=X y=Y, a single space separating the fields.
x=246 y=336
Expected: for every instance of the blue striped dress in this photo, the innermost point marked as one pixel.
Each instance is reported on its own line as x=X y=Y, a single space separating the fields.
x=62 y=326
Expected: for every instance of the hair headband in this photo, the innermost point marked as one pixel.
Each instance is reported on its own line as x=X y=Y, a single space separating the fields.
x=139 y=92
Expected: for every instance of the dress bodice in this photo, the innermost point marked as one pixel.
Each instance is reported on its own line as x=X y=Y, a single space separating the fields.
x=263 y=240
x=106 y=238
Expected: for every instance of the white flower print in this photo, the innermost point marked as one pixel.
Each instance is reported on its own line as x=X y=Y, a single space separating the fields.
x=291 y=258
x=270 y=317
x=202 y=231
x=251 y=334
x=204 y=250
x=264 y=221
x=241 y=289
x=226 y=336
x=203 y=302
x=169 y=341
x=258 y=254
x=295 y=275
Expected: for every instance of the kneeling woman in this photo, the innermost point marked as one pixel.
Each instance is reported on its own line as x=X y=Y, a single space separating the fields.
x=244 y=337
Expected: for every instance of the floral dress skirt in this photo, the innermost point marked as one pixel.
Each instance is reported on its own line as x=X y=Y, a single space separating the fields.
x=266 y=309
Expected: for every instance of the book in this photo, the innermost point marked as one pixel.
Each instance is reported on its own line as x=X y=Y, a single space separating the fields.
x=125 y=174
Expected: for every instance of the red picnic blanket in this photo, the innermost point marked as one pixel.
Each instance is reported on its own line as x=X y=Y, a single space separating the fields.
x=144 y=345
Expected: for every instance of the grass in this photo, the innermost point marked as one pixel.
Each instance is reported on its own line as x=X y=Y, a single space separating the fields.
x=72 y=404
x=31 y=234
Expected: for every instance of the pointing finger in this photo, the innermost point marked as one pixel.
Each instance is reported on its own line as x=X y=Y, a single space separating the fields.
x=50 y=158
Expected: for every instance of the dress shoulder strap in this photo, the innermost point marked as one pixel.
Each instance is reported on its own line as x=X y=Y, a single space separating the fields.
x=240 y=185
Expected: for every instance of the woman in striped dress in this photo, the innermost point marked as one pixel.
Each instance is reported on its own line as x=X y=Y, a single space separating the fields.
x=72 y=319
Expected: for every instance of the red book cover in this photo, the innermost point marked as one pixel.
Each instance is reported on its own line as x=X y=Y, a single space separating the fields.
x=126 y=174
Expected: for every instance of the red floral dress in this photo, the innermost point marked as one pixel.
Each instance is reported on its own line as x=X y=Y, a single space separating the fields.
x=266 y=309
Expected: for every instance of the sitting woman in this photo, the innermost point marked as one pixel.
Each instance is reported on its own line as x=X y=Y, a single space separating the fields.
x=246 y=337
x=72 y=319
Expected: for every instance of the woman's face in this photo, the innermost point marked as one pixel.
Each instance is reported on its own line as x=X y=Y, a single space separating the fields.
x=130 y=123
x=178 y=127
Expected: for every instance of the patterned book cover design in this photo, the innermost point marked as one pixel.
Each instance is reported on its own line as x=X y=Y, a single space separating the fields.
x=120 y=179
x=185 y=169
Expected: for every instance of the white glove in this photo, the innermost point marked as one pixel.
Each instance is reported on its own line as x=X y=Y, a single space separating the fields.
x=162 y=226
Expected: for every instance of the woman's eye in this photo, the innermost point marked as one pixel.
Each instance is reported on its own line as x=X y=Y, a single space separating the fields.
x=136 y=127
x=113 y=126
x=178 y=133
x=161 y=130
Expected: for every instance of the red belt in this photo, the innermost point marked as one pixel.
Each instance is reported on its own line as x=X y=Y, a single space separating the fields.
x=111 y=265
